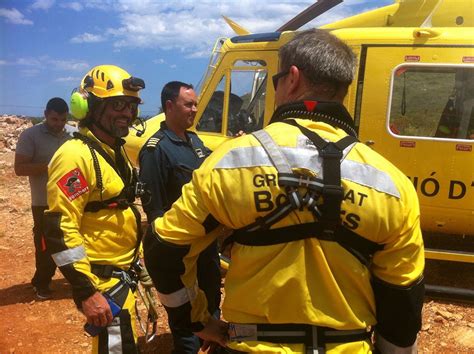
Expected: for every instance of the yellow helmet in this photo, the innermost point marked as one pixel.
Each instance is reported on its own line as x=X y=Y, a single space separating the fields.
x=101 y=82
x=105 y=81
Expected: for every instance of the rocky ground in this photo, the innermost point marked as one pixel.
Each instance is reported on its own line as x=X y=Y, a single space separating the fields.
x=55 y=326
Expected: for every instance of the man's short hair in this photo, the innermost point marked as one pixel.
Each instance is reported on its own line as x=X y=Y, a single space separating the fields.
x=171 y=92
x=323 y=58
x=57 y=105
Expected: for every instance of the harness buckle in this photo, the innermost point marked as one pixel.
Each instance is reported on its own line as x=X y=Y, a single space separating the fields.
x=333 y=192
x=304 y=181
x=331 y=151
x=294 y=197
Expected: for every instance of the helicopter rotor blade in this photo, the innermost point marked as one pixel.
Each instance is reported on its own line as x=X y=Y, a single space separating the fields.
x=318 y=8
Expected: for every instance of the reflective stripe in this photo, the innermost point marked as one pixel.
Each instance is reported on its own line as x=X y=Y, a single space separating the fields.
x=273 y=151
x=178 y=298
x=282 y=333
x=357 y=172
x=69 y=256
x=115 y=337
x=369 y=176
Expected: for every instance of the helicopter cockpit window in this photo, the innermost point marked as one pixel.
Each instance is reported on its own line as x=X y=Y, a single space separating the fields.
x=247 y=96
x=433 y=102
x=211 y=120
x=245 y=101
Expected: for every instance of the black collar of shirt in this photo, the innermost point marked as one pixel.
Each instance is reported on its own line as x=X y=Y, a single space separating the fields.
x=332 y=113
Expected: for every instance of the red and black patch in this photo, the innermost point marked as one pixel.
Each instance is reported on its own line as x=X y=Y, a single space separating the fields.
x=73 y=184
x=310 y=105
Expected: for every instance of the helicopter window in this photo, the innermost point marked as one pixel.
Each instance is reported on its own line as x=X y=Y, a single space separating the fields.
x=247 y=98
x=211 y=120
x=249 y=63
x=433 y=102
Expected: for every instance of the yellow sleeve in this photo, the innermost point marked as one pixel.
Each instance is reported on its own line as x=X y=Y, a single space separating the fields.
x=71 y=182
x=401 y=262
x=183 y=232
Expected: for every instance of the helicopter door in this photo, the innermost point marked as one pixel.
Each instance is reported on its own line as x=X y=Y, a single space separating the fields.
x=235 y=100
x=415 y=107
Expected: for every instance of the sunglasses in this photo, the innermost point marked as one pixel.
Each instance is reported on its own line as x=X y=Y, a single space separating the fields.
x=277 y=77
x=119 y=104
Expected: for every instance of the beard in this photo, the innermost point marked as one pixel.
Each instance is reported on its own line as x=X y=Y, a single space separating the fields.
x=119 y=132
x=118 y=128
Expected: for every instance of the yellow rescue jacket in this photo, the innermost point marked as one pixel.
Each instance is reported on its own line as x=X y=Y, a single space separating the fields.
x=78 y=238
x=308 y=281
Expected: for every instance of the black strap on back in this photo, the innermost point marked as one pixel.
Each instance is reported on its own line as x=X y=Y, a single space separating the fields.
x=304 y=333
x=331 y=153
x=359 y=247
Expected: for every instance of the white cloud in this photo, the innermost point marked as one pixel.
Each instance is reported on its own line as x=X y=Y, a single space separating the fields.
x=30 y=72
x=173 y=66
x=69 y=65
x=28 y=62
x=87 y=38
x=55 y=64
x=42 y=4
x=159 y=61
x=193 y=27
x=76 y=6
x=14 y=16
x=3 y=62
x=68 y=79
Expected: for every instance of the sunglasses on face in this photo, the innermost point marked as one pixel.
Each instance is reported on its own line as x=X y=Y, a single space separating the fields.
x=119 y=104
x=278 y=76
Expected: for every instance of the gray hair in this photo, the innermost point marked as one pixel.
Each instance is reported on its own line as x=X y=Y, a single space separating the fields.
x=323 y=58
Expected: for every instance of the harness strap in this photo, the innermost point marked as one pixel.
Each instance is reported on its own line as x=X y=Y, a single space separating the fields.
x=359 y=247
x=96 y=147
x=273 y=151
x=128 y=278
x=331 y=154
x=117 y=202
x=119 y=292
x=315 y=338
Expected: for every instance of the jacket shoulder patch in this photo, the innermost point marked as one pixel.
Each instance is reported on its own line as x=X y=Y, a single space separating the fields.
x=73 y=184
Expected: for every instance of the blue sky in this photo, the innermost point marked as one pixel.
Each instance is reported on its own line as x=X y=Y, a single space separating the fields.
x=47 y=46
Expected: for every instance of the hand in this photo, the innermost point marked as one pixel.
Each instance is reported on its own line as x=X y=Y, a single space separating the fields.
x=239 y=133
x=209 y=347
x=97 y=310
x=215 y=331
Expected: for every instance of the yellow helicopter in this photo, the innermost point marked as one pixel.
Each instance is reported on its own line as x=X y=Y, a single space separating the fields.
x=412 y=99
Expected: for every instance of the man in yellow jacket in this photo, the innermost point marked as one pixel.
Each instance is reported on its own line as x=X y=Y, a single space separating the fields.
x=92 y=227
x=326 y=248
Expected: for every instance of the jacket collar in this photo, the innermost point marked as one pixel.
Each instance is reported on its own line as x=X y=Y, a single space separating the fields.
x=332 y=113
x=88 y=133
